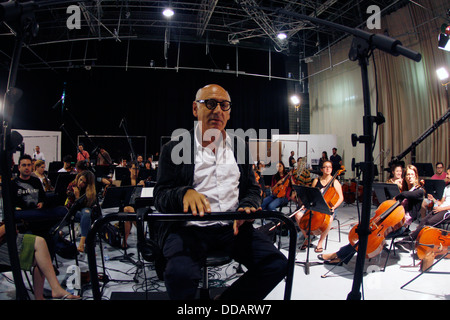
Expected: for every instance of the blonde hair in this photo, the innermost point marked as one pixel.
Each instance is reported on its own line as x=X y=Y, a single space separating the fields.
x=38 y=163
x=91 y=194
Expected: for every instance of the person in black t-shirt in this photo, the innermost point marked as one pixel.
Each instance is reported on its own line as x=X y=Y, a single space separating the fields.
x=28 y=196
x=336 y=160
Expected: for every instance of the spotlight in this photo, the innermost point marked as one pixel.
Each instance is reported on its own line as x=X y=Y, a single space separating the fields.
x=282 y=36
x=168 y=12
x=442 y=74
x=443 y=42
x=295 y=100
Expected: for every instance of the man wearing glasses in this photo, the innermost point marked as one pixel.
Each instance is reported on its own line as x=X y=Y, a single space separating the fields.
x=216 y=179
x=440 y=173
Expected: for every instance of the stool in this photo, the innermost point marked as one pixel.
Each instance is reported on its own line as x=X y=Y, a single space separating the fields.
x=214 y=259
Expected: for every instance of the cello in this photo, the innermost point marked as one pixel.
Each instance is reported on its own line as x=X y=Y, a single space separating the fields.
x=431 y=242
x=389 y=217
x=320 y=221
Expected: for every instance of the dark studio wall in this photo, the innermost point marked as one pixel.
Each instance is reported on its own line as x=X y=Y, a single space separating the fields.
x=153 y=102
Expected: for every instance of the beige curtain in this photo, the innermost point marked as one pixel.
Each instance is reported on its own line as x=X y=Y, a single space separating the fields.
x=409 y=94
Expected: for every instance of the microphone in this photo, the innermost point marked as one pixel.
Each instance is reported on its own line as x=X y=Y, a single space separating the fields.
x=56 y=104
x=63 y=98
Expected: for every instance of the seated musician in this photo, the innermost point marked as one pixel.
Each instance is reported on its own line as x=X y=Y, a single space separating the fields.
x=321 y=183
x=215 y=177
x=83 y=184
x=34 y=256
x=439 y=213
x=301 y=176
x=410 y=200
x=28 y=198
x=132 y=180
x=278 y=199
x=397 y=175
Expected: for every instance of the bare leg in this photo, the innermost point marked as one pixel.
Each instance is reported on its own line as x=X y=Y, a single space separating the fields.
x=323 y=236
x=44 y=270
x=81 y=244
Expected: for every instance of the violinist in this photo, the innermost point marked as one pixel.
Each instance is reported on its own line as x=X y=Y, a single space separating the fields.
x=281 y=189
x=301 y=175
x=440 y=212
x=411 y=201
x=321 y=183
x=39 y=172
x=397 y=176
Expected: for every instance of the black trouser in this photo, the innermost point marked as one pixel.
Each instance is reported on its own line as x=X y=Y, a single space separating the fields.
x=432 y=219
x=186 y=250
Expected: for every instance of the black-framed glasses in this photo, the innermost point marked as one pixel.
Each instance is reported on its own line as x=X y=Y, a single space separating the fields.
x=211 y=104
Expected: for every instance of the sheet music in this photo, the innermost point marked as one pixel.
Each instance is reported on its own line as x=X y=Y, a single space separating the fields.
x=147 y=192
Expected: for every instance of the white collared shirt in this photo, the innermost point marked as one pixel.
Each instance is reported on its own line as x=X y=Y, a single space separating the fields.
x=216 y=175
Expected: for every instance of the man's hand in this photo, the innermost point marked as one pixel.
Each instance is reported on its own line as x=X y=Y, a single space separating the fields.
x=197 y=202
x=238 y=223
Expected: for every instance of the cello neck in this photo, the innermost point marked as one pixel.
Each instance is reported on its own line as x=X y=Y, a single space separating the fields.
x=385 y=214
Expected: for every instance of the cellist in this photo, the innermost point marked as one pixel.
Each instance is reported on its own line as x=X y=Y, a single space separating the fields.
x=321 y=183
x=440 y=212
x=410 y=200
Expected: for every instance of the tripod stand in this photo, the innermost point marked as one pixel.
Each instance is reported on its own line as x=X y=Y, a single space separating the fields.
x=313 y=200
x=121 y=197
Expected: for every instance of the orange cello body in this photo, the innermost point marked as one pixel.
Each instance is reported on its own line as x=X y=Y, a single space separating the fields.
x=432 y=242
x=389 y=217
x=321 y=221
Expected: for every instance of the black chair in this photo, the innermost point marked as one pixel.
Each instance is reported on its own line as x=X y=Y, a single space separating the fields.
x=214 y=259
x=339 y=233
x=90 y=240
x=393 y=237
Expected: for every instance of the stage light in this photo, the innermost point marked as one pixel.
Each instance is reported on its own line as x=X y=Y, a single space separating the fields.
x=168 y=12
x=282 y=36
x=442 y=74
x=295 y=100
x=443 y=42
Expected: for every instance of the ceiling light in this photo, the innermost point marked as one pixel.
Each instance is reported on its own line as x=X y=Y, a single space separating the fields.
x=282 y=36
x=168 y=12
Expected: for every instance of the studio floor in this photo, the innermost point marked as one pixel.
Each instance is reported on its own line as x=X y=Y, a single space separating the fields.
x=132 y=279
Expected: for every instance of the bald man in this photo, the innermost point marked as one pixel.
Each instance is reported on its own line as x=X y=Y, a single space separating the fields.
x=213 y=178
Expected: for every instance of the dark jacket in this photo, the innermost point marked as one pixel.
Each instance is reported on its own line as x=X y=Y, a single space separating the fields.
x=175 y=179
x=415 y=199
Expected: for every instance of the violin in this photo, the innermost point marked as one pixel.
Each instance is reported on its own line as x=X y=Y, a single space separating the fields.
x=320 y=221
x=280 y=190
x=389 y=217
x=432 y=242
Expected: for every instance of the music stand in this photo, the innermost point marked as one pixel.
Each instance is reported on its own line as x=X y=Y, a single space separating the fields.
x=435 y=187
x=122 y=173
x=424 y=169
x=385 y=191
x=121 y=197
x=313 y=200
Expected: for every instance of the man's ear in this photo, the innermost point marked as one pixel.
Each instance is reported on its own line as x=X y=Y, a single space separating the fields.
x=194 y=109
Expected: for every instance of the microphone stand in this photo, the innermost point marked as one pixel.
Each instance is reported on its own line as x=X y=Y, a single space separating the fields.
x=123 y=124
x=21 y=15
x=363 y=44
